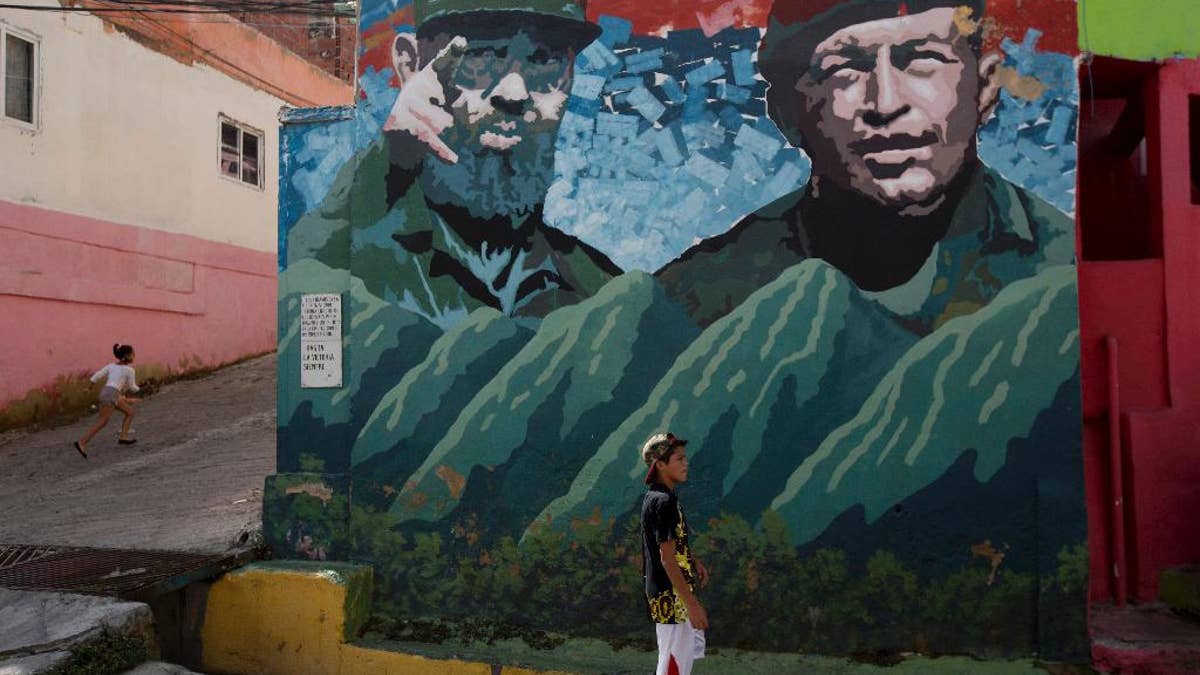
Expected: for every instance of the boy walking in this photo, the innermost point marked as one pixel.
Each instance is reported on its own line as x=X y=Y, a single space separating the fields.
x=672 y=572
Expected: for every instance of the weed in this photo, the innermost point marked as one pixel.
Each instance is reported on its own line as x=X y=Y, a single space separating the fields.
x=110 y=653
x=472 y=630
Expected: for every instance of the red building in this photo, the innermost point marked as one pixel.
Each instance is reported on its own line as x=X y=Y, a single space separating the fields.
x=1139 y=243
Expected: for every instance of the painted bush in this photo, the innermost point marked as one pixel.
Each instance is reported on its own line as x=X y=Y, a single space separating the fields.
x=832 y=243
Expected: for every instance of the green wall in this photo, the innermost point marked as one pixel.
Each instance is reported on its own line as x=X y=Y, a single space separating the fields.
x=1140 y=29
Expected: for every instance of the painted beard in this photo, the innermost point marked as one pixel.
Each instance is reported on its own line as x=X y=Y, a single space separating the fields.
x=488 y=182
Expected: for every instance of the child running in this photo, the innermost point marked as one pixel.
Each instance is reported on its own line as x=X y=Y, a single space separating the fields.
x=120 y=379
x=672 y=572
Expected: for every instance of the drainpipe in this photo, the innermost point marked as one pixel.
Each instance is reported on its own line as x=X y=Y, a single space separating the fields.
x=1114 y=462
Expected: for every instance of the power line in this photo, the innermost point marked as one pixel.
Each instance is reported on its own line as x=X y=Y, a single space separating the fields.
x=328 y=8
x=213 y=3
x=221 y=11
x=121 y=10
x=268 y=86
x=251 y=22
x=199 y=5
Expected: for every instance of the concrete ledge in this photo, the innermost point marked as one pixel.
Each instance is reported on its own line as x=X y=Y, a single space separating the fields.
x=31 y=665
x=296 y=618
x=36 y=623
x=38 y=630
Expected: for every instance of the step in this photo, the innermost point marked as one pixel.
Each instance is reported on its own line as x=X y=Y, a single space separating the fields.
x=1145 y=639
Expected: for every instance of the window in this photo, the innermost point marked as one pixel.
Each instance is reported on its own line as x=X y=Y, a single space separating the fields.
x=322 y=27
x=18 y=67
x=241 y=152
x=1194 y=147
x=1117 y=218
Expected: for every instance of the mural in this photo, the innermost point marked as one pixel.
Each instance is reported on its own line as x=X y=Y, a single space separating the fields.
x=832 y=243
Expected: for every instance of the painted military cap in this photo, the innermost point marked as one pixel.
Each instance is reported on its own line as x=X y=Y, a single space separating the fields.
x=796 y=27
x=566 y=17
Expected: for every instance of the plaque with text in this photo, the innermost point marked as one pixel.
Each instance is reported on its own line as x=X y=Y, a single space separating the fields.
x=320 y=340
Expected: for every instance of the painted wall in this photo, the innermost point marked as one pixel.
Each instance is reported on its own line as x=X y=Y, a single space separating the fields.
x=129 y=144
x=872 y=345
x=1135 y=285
x=151 y=140
x=72 y=286
x=327 y=42
x=1147 y=305
x=1142 y=31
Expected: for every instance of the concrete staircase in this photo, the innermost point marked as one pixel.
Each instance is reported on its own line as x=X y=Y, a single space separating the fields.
x=1160 y=638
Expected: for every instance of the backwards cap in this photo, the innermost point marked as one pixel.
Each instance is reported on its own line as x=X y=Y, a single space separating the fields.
x=659 y=447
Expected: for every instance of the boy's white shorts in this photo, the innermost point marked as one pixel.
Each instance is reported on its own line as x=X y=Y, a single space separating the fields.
x=678 y=645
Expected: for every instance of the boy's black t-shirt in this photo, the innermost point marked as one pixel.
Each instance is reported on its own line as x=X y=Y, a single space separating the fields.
x=663 y=520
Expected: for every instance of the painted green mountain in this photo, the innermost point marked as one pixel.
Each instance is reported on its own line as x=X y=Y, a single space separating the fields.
x=415 y=414
x=381 y=343
x=524 y=436
x=976 y=384
x=757 y=392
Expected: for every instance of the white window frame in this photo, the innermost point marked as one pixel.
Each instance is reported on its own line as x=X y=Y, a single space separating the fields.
x=36 y=94
x=322 y=27
x=243 y=129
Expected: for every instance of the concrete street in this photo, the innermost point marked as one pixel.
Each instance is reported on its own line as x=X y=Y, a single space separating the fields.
x=192 y=482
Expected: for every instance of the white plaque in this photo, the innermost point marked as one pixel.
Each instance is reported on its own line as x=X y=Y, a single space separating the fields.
x=320 y=340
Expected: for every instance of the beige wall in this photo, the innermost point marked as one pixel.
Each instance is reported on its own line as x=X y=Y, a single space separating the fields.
x=130 y=135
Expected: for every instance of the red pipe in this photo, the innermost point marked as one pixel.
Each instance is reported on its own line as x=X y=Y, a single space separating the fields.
x=1114 y=460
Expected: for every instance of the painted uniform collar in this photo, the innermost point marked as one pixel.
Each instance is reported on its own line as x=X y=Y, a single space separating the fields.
x=991 y=194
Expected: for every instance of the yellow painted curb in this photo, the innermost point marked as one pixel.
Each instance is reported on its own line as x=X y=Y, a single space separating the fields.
x=294 y=619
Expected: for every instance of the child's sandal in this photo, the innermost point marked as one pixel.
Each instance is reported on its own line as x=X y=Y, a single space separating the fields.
x=130 y=441
x=79 y=448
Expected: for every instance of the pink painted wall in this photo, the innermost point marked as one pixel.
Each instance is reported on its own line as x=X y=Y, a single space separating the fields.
x=1150 y=307
x=71 y=286
x=1163 y=448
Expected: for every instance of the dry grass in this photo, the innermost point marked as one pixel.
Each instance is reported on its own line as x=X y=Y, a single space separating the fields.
x=72 y=396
